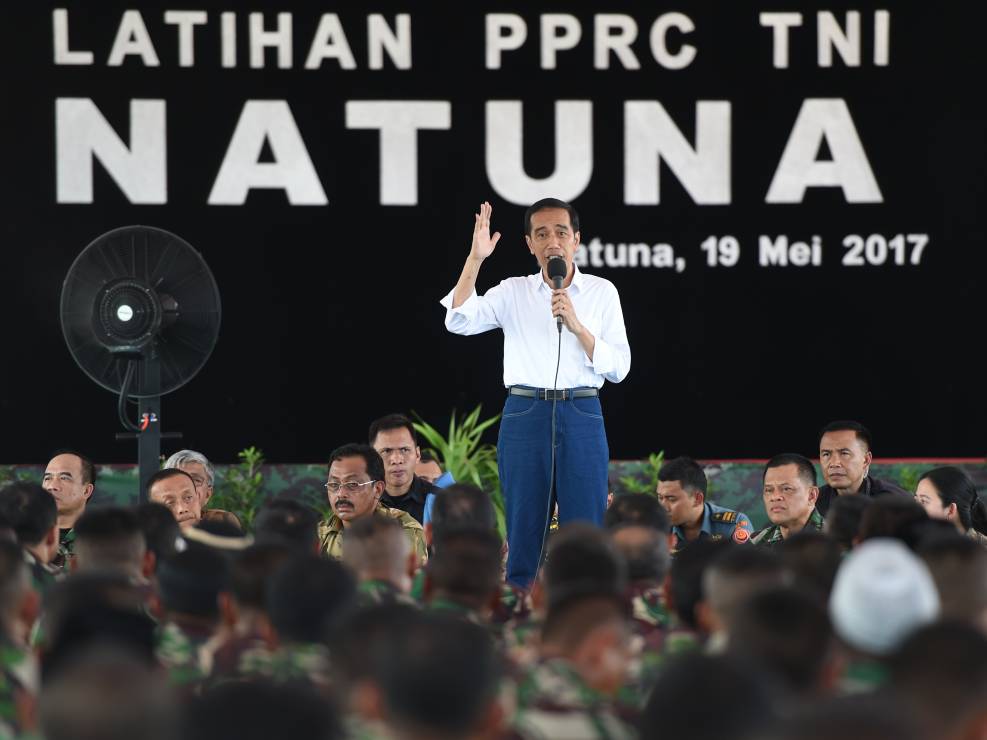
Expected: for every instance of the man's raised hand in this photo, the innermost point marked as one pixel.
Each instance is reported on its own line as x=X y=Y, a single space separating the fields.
x=483 y=244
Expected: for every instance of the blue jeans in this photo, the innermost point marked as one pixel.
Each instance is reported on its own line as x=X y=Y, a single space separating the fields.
x=524 y=459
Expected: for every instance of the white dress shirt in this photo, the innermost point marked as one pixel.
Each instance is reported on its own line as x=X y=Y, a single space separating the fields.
x=522 y=307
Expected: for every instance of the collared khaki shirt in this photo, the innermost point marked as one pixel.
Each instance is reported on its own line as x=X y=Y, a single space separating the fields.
x=331 y=533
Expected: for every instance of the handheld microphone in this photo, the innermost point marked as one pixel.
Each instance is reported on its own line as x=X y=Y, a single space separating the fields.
x=557 y=270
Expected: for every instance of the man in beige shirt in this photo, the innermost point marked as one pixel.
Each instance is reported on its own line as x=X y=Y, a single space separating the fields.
x=354 y=488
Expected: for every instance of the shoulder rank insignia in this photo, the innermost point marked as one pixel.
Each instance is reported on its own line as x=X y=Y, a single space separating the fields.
x=725 y=516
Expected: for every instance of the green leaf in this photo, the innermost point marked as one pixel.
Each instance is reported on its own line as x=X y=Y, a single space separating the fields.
x=466 y=456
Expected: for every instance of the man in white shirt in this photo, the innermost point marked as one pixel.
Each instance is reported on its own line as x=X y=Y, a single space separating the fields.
x=548 y=372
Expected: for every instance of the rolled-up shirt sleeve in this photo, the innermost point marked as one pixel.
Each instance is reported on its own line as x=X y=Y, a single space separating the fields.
x=611 y=353
x=476 y=315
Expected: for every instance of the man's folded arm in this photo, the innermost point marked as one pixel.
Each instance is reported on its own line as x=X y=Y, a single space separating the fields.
x=612 y=353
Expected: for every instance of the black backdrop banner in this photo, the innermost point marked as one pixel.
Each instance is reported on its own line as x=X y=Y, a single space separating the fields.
x=789 y=198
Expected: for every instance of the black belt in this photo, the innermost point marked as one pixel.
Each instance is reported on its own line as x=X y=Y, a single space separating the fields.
x=547 y=394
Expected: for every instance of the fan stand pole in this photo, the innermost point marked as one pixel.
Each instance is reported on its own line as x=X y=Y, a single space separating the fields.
x=149 y=413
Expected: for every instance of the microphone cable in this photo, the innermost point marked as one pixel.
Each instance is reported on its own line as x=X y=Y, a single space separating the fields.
x=551 y=481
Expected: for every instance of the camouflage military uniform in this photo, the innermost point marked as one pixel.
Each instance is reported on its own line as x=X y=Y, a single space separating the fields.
x=302 y=663
x=239 y=658
x=43 y=575
x=514 y=603
x=658 y=636
x=718 y=523
x=66 y=549
x=650 y=620
x=358 y=728
x=455 y=609
x=331 y=533
x=770 y=536
x=15 y=696
x=554 y=702
x=862 y=677
x=250 y=657
x=180 y=651
x=373 y=592
x=648 y=608
x=521 y=638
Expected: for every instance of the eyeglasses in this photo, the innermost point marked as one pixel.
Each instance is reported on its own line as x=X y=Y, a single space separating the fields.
x=350 y=487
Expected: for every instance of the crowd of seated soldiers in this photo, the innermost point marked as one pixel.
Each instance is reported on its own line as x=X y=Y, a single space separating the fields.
x=859 y=611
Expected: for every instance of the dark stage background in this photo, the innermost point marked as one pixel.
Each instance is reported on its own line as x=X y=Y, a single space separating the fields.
x=331 y=314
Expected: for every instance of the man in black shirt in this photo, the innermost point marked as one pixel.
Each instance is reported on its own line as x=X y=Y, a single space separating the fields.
x=845 y=457
x=396 y=441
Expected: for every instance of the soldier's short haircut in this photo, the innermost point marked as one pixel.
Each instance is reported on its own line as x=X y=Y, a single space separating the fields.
x=701 y=696
x=785 y=631
x=288 y=522
x=582 y=561
x=389 y=423
x=861 y=432
x=7 y=532
x=941 y=670
x=166 y=474
x=462 y=506
x=689 y=474
x=645 y=550
x=109 y=537
x=958 y=565
x=183 y=457
x=687 y=571
x=376 y=542
x=107 y=692
x=872 y=716
x=88 y=466
x=252 y=571
x=812 y=558
x=734 y=573
x=374 y=462
x=806 y=470
x=161 y=532
x=307 y=596
x=890 y=516
x=359 y=644
x=466 y=566
x=95 y=608
x=567 y=624
x=29 y=510
x=191 y=581
x=260 y=710
x=843 y=518
x=441 y=676
x=636 y=508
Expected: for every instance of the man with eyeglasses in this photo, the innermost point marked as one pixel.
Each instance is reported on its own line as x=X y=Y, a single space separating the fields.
x=70 y=478
x=395 y=439
x=203 y=474
x=354 y=488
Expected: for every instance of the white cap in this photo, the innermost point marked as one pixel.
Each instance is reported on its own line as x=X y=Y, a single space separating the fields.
x=882 y=593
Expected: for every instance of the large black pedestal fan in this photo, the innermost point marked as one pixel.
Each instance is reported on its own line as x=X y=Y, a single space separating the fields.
x=140 y=313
